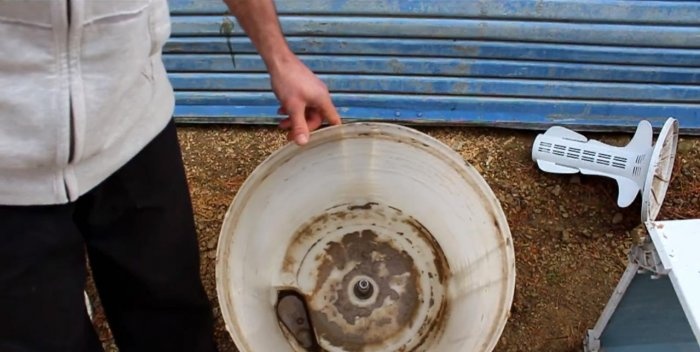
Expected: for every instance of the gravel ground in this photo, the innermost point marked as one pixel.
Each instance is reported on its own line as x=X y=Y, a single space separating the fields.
x=570 y=237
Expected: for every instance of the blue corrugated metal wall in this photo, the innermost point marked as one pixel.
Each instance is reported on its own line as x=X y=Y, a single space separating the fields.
x=593 y=65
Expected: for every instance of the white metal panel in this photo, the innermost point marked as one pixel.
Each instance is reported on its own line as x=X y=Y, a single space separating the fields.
x=678 y=244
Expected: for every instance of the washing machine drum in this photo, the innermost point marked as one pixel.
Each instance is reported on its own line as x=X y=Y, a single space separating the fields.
x=373 y=237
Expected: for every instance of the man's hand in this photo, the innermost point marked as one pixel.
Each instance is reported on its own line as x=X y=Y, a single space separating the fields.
x=303 y=97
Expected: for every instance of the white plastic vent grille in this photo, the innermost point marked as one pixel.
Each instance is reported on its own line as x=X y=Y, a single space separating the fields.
x=590 y=156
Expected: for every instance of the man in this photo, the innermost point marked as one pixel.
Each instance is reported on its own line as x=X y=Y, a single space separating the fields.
x=89 y=160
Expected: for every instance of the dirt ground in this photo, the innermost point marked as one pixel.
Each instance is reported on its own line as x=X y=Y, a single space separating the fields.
x=570 y=237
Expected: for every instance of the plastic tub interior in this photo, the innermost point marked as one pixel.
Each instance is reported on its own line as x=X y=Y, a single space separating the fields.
x=370 y=205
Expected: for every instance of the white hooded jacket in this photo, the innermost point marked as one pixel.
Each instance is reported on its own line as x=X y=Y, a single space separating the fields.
x=82 y=90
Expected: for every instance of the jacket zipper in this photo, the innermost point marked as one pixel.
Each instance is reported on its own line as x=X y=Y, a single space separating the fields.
x=71 y=131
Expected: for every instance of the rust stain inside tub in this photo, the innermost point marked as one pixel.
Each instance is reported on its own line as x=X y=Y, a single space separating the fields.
x=367 y=287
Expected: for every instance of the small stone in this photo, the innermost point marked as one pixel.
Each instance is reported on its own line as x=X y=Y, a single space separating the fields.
x=587 y=233
x=617 y=218
x=566 y=236
x=556 y=190
x=609 y=235
x=211 y=255
x=211 y=244
x=575 y=179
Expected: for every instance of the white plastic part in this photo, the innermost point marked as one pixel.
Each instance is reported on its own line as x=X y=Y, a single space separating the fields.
x=560 y=150
x=659 y=172
x=296 y=211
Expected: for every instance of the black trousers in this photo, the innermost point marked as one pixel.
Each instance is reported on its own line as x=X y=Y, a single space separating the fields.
x=138 y=230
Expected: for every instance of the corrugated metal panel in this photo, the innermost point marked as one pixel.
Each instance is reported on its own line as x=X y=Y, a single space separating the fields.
x=596 y=65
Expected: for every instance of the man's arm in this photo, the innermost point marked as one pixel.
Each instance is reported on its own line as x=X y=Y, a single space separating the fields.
x=303 y=97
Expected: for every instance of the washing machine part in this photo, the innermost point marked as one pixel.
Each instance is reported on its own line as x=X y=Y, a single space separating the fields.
x=372 y=237
x=638 y=167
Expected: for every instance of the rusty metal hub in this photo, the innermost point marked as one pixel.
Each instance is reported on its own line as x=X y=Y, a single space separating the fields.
x=363 y=288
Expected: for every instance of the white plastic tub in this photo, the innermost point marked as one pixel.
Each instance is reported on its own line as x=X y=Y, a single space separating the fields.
x=375 y=202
